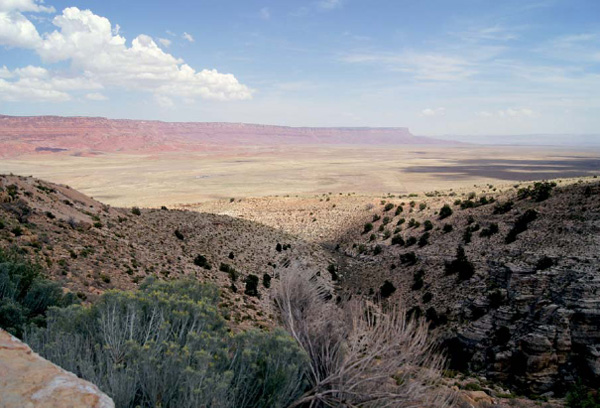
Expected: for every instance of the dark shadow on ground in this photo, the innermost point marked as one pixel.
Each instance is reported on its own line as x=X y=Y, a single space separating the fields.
x=518 y=170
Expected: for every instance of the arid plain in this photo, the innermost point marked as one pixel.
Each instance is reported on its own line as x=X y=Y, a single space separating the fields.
x=171 y=178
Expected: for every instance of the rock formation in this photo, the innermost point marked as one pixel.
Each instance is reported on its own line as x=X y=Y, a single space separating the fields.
x=29 y=381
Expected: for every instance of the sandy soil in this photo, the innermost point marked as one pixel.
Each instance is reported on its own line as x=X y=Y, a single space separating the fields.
x=183 y=178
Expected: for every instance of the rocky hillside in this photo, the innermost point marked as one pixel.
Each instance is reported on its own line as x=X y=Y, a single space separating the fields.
x=84 y=135
x=90 y=247
x=510 y=278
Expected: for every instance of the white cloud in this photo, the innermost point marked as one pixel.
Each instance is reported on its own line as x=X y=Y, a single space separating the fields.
x=96 y=96
x=484 y=114
x=330 y=4
x=25 y=6
x=433 y=112
x=515 y=112
x=264 y=13
x=165 y=42
x=17 y=31
x=37 y=84
x=188 y=37
x=423 y=66
x=103 y=58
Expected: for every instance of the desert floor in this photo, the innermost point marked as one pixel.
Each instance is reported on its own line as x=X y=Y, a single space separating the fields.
x=180 y=178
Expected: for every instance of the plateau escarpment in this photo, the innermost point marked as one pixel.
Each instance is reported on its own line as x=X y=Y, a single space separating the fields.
x=89 y=136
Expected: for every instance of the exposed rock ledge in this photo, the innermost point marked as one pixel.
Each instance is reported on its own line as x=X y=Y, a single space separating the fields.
x=29 y=381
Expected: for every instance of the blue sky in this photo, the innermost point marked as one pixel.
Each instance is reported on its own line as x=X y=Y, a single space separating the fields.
x=437 y=67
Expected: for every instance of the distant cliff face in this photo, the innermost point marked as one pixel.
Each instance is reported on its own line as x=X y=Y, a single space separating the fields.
x=27 y=380
x=82 y=135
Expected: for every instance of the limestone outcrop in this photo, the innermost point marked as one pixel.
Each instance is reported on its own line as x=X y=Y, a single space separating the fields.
x=29 y=381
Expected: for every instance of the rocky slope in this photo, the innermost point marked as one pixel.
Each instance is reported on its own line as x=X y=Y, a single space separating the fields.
x=89 y=247
x=27 y=380
x=84 y=136
x=529 y=313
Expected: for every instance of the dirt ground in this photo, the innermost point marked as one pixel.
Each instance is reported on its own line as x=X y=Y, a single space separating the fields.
x=184 y=178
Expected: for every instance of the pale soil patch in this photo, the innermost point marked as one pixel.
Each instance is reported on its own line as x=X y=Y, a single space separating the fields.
x=184 y=178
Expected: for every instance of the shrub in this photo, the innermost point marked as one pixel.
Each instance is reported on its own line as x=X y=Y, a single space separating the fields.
x=376 y=217
x=401 y=221
x=387 y=289
x=399 y=210
x=386 y=220
x=278 y=247
x=580 y=396
x=422 y=206
x=388 y=207
x=179 y=235
x=418 y=280
x=251 y=285
x=377 y=250
x=489 y=231
x=521 y=225
x=136 y=211
x=411 y=241
x=25 y=295
x=397 y=240
x=427 y=297
x=167 y=345
x=368 y=227
x=447 y=228
x=202 y=262
x=544 y=263
x=372 y=237
x=540 y=191
x=503 y=208
x=231 y=255
x=460 y=265
x=409 y=258
x=386 y=234
x=446 y=211
x=267 y=280
x=424 y=239
x=428 y=225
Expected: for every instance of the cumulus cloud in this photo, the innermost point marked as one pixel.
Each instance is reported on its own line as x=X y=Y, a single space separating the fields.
x=103 y=58
x=25 y=6
x=188 y=37
x=433 y=112
x=37 y=84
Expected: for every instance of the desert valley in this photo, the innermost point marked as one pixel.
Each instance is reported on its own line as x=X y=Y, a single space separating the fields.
x=497 y=255
x=300 y=204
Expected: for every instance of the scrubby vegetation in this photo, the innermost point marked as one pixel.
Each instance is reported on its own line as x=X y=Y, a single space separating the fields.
x=167 y=345
x=521 y=225
x=25 y=295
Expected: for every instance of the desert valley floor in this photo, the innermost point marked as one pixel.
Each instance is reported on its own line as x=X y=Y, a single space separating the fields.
x=152 y=180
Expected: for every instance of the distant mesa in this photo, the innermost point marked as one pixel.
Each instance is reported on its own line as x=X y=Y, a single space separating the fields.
x=20 y=135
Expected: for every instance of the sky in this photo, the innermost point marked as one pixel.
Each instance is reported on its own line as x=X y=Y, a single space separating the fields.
x=439 y=67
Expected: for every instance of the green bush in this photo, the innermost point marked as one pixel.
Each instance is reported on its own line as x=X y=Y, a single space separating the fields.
x=251 y=285
x=580 y=396
x=397 y=240
x=367 y=228
x=26 y=295
x=489 y=231
x=445 y=211
x=399 y=210
x=167 y=345
x=428 y=225
x=447 y=228
x=202 y=262
x=460 y=265
x=136 y=211
x=267 y=280
x=388 y=207
x=387 y=289
x=521 y=225
x=409 y=258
